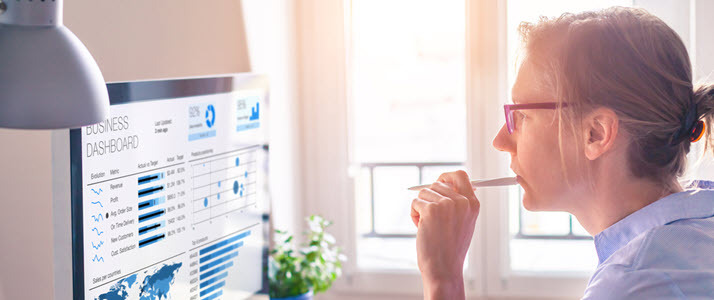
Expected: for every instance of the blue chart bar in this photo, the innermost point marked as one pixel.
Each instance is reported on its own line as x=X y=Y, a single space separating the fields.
x=214 y=296
x=213 y=288
x=150 y=178
x=151 y=203
x=151 y=240
x=214 y=279
x=149 y=228
x=152 y=190
x=224 y=242
x=216 y=270
x=218 y=261
x=201 y=135
x=151 y=215
x=220 y=252
x=248 y=126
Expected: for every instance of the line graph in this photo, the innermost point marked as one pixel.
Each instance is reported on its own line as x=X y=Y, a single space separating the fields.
x=98 y=217
x=97 y=246
x=97 y=231
x=97 y=191
x=97 y=258
x=98 y=202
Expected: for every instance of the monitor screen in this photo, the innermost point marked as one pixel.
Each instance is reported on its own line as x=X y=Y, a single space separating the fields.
x=168 y=192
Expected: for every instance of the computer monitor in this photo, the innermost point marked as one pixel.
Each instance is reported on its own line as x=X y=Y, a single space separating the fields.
x=168 y=193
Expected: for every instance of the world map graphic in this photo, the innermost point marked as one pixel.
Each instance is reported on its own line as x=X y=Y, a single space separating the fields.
x=154 y=286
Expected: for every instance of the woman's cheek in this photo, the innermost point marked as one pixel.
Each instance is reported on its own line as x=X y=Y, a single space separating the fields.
x=539 y=165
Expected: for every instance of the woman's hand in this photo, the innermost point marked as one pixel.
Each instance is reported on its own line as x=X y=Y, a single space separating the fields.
x=445 y=215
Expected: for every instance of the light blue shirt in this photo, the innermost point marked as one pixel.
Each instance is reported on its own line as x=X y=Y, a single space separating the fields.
x=662 y=251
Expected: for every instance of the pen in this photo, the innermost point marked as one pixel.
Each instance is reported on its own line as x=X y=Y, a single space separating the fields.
x=479 y=183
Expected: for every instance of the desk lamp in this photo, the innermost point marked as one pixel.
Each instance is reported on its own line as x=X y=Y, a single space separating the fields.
x=48 y=78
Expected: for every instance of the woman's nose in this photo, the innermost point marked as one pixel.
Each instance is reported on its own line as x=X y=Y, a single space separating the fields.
x=504 y=141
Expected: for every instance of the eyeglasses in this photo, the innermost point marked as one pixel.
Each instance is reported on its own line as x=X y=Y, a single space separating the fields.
x=510 y=108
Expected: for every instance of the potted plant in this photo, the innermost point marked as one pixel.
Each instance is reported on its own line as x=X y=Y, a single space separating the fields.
x=297 y=275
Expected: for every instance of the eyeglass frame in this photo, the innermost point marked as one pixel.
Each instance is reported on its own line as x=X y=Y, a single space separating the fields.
x=508 y=109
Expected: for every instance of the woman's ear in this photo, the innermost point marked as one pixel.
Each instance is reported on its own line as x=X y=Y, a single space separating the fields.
x=600 y=130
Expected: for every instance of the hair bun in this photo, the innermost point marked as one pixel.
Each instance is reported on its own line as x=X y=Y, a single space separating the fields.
x=704 y=97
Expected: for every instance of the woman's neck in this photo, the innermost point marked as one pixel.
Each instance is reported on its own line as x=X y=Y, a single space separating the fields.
x=616 y=197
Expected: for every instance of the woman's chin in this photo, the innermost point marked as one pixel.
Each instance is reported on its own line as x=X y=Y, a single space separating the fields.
x=531 y=203
x=528 y=202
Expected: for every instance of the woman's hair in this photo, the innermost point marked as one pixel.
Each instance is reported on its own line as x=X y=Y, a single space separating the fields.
x=630 y=61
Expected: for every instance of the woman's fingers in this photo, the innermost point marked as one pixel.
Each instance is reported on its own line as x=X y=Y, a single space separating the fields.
x=441 y=188
x=430 y=195
x=418 y=206
x=459 y=180
x=438 y=192
x=454 y=186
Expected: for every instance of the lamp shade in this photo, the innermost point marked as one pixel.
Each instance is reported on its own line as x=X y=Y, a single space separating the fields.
x=48 y=78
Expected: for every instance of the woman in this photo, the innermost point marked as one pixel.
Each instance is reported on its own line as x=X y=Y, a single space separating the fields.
x=616 y=115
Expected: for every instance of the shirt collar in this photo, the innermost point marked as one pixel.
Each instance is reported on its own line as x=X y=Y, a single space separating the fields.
x=689 y=204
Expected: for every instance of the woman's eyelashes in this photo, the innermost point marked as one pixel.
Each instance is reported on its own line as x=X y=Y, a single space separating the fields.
x=519 y=117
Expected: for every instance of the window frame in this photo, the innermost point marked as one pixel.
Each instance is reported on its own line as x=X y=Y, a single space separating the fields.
x=324 y=91
x=323 y=52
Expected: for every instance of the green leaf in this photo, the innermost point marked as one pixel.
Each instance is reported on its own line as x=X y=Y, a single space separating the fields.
x=314 y=266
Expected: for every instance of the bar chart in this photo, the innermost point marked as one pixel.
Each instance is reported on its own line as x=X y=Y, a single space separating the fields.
x=215 y=262
x=150 y=219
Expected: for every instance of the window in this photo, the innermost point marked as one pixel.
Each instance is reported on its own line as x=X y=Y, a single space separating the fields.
x=407 y=74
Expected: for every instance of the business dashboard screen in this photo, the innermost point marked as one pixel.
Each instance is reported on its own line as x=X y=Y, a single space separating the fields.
x=168 y=192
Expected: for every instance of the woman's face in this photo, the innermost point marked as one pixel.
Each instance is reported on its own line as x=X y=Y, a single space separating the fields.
x=533 y=145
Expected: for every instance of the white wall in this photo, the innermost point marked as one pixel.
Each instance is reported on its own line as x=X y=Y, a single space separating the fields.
x=270 y=30
x=26 y=215
x=137 y=39
x=703 y=53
